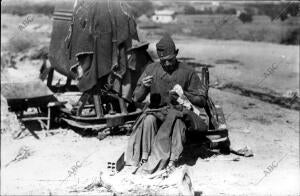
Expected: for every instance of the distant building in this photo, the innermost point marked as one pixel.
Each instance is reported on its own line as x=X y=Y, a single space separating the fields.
x=164 y=16
x=143 y=18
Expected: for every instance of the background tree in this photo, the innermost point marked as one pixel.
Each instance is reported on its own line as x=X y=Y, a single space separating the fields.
x=245 y=17
x=189 y=10
x=280 y=11
x=141 y=7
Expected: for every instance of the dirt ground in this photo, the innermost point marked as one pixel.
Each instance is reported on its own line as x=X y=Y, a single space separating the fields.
x=65 y=163
x=270 y=131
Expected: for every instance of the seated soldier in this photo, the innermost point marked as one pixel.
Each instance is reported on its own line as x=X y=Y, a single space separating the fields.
x=138 y=60
x=159 y=134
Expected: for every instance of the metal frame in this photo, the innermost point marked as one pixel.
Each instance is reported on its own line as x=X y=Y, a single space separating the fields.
x=39 y=115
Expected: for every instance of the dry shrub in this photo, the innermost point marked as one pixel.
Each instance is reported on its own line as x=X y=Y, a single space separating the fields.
x=23 y=153
x=8 y=59
x=291 y=37
x=20 y=42
x=4 y=62
x=245 y=17
x=228 y=27
x=9 y=121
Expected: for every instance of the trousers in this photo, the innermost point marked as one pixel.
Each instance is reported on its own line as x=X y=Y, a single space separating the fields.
x=150 y=128
x=157 y=137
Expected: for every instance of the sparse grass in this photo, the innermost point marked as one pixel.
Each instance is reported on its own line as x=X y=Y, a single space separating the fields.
x=23 y=153
x=23 y=9
x=224 y=27
x=229 y=27
x=20 y=42
x=291 y=36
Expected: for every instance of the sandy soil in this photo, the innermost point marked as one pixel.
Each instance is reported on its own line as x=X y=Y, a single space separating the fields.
x=66 y=162
x=270 y=131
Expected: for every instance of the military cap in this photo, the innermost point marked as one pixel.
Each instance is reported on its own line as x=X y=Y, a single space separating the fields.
x=138 y=45
x=166 y=48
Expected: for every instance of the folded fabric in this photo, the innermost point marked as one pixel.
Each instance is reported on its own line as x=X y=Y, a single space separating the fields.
x=183 y=100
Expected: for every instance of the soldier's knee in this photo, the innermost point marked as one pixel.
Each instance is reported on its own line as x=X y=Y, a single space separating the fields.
x=181 y=129
x=180 y=123
x=150 y=119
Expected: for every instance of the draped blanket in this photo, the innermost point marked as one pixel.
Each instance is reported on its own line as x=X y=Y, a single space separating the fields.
x=103 y=29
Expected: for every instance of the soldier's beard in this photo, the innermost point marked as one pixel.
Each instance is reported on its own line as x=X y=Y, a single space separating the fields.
x=170 y=68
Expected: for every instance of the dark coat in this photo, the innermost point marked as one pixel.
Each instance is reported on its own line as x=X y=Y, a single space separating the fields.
x=168 y=114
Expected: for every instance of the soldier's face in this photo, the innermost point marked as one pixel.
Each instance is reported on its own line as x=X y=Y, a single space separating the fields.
x=131 y=59
x=168 y=64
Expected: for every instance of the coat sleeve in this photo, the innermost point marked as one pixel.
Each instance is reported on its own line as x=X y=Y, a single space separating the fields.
x=196 y=91
x=141 y=91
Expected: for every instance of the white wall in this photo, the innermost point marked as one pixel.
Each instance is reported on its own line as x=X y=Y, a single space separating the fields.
x=162 y=18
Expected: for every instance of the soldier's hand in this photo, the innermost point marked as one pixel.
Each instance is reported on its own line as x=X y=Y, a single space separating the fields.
x=147 y=81
x=173 y=96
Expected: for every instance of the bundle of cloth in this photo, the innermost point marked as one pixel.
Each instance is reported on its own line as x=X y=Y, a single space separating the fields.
x=183 y=100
